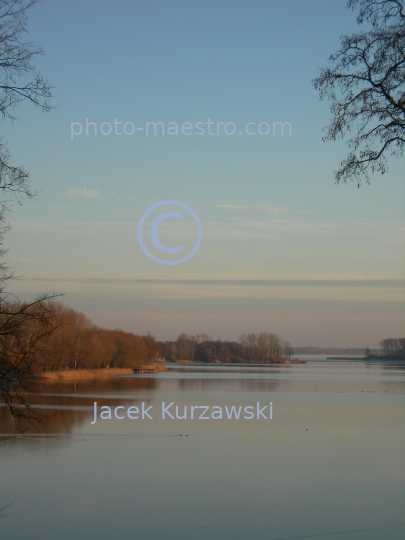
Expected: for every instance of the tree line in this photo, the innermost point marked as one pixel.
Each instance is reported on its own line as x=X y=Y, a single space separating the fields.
x=264 y=348
x=391 y=348
x=44 y=335
x=54 y=337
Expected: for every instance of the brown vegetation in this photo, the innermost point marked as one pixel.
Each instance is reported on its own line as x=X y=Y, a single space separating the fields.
x=45 y=336
x=84 y=374
x=79 y=344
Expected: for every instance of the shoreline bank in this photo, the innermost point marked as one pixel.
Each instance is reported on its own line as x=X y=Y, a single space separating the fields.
x=84 y=374
x=102 y=373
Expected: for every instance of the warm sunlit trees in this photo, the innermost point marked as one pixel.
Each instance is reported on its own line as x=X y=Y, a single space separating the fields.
x=77 y=343
x=44 y=335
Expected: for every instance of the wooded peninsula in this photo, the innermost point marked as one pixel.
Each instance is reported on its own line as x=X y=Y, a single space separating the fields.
x=47 y=336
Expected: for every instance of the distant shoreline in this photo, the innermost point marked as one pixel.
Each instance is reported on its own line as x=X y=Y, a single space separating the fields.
x=367 y=358
x=346 y=358
x=235 y=364
x=68 y=375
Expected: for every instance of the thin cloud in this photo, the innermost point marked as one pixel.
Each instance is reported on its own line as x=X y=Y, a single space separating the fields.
x=267 y=208
x=83 y=193
x=391 y=233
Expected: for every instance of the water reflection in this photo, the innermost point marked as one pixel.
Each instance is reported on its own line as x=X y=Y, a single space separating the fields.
x=330 y=460
x=63 y=407
x=230 y=385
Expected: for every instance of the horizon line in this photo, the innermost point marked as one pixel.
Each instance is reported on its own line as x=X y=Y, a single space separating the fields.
x=241 y=282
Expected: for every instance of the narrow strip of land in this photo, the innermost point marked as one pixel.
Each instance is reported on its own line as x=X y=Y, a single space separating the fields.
x=84 y=374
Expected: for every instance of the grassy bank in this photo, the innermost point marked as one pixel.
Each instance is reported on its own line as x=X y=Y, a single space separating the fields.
x=84 y=374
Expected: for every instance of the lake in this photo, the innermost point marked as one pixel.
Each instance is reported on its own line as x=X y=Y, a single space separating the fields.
x=331 y=460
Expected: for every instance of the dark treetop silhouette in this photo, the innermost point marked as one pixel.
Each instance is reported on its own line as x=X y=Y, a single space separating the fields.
x=366 y=85
x=22 y=324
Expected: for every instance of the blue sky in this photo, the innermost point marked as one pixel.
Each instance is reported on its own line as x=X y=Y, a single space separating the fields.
x=268 y=204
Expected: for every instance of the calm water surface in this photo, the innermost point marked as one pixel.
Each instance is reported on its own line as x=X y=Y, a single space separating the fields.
x=332 y=459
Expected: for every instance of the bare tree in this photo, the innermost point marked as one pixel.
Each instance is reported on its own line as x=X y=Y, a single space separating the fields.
x=22 y=324
x=288 y=351
x=366 y=87
x=4 y=507
x=19 y=81
x=16 y=55
x=392 y=347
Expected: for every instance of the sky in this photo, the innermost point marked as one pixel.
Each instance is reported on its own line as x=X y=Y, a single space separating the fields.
x=283 y=248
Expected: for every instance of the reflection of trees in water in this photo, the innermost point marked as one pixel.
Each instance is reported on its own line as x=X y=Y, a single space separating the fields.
x=65 y=406
x=397 y=365
x=240 y=385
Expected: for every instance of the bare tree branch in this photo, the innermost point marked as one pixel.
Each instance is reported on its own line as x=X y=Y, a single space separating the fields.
x=16 y=55
x=24 y=326
x=366 y=87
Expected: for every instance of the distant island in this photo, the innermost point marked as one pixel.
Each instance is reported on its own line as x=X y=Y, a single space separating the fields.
x=264 y=348
x=390 y=349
